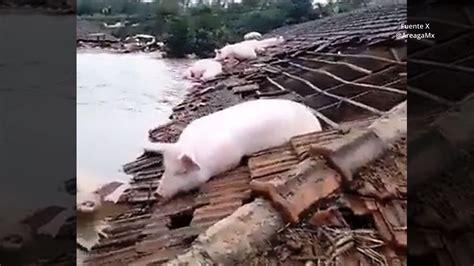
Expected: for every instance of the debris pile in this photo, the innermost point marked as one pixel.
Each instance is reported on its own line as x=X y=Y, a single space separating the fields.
x=89 y=35
x=345 y=227
x=312 y=196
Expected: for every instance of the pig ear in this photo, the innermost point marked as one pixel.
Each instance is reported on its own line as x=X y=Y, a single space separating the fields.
x=188 y=162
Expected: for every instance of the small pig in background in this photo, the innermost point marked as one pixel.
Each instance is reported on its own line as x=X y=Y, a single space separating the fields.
x=246 y=50
x=255 y=44
x=204 y=69
x=217 y=142
x=252 y=36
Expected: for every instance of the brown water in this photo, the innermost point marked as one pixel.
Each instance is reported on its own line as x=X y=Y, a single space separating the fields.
x=119 y=98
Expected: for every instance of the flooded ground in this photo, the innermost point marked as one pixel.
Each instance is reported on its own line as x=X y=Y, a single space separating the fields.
x=119 y=98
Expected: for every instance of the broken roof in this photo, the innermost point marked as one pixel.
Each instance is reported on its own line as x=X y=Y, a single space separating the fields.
x=321 y=188
x=349 y=68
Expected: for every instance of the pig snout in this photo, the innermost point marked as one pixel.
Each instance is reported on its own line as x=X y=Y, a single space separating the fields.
x=182 y=173
x=191 y=74
x=160 y=190
x=187 y=74
x=168 y=187
x=221 y=54
x=171 y=185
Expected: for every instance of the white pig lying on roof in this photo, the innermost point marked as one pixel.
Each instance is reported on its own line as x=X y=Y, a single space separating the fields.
x=246 y=50
x=204 y=69
x=217 y=142
x=252 y=36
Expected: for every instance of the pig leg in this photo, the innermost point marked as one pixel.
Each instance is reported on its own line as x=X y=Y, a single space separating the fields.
x=237 y=62
x=234 y=61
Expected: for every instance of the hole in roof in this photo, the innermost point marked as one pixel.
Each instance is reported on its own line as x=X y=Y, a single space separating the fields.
x=245 y=159
x=357 y=221
x=248 y=199
x=180 y=220
x=189 y=240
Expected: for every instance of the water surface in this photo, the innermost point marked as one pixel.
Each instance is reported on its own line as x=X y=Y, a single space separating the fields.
x=119 y=98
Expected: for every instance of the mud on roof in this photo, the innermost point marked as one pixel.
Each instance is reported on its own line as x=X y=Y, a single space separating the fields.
x=347 y=68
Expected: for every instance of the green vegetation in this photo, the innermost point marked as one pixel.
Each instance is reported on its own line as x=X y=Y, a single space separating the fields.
x=200 y=26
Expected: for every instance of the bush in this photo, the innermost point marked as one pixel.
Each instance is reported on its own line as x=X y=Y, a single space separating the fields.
x=177 y=39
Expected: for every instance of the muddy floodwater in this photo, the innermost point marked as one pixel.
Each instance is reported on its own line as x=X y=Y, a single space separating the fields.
x=119 y=98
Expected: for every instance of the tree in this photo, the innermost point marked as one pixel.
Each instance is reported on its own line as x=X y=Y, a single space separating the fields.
x=168 y=8
x=199 y=26
x=296 y=10
x=203 y=43
x=347 y=5
x=177 y=39
x=86 y=7
x=251 y=3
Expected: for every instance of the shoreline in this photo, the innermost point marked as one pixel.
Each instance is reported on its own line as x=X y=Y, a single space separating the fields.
x=100 y=50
